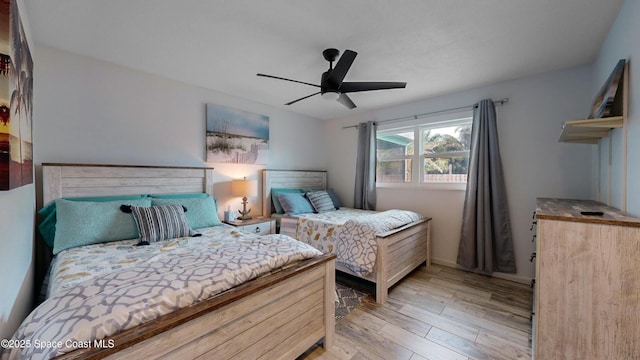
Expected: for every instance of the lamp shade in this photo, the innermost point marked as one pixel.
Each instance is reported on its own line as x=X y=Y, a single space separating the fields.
x=244 y=187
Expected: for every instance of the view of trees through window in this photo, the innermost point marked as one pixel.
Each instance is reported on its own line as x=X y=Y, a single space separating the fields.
x=446 y=154
x=443 y=154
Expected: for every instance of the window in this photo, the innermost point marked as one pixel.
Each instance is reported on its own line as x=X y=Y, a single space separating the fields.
x=439 y=159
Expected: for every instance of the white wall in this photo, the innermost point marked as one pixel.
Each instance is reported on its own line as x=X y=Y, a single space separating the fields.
x=535 y=163
x=90 y=111
x=17 y=208
x=621 y=43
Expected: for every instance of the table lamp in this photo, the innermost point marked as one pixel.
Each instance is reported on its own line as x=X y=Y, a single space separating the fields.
x=244 y=188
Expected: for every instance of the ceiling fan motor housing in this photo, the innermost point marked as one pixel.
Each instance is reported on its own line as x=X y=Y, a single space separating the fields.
x=326 y=85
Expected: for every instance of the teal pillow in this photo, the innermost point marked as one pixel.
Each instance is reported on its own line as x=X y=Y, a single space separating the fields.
x=91 y=222
x=201 y=212
x=295 y=203
x=276 y=201
x=47 y=226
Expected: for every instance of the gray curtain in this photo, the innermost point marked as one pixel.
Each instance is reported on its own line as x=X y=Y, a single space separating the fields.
x=365 y=189
x=486 y=244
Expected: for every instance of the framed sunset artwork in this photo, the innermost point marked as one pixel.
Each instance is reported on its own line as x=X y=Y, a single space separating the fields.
x=16 y=98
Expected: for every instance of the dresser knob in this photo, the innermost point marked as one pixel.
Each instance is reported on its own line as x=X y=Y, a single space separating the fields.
x=257 y=230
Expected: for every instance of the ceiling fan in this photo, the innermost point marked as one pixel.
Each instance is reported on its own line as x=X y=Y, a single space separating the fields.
x=332 y=85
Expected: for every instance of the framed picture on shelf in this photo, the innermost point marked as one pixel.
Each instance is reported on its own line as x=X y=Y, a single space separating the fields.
x=608 y=101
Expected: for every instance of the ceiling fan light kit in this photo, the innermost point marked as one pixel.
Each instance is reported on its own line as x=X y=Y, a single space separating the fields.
x=332 y=85
x=330 y=95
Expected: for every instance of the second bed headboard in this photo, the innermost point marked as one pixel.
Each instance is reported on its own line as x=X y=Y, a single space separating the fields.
x=289 y=179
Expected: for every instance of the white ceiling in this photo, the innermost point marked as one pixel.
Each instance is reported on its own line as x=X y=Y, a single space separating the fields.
x=436 y=46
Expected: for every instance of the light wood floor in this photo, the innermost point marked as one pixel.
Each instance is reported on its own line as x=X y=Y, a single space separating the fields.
x=440 y=313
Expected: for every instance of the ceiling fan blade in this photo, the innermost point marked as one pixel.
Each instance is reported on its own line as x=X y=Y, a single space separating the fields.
x=342 y=66
x=346 y=101
x=281 y=78
x=349 y=87
x=302 y=98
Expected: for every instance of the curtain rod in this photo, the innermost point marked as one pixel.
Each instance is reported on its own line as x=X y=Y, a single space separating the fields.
x=499 y=102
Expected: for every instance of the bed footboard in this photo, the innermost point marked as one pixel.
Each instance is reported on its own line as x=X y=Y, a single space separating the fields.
x=278 y=316
x=400 y=251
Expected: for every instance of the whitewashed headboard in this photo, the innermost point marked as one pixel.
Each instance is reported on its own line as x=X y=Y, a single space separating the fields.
x=74 y=180
x=289 y=179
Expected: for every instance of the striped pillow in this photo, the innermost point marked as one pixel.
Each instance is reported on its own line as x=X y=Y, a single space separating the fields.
x=321 y=201
x=157 y=223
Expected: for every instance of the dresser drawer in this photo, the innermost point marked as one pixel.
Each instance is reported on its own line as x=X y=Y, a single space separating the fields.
x=262 y=228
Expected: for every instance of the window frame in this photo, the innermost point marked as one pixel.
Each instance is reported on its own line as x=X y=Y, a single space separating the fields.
x=418 y=126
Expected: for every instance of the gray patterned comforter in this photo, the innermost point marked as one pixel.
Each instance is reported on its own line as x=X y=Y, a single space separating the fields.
x=173 y=274
x=350 y=234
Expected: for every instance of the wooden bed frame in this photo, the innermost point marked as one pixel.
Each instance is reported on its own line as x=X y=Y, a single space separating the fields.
x=277 y=316
x=400 y=251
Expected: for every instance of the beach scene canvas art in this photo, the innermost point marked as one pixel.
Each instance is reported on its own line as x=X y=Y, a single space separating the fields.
x=236 y=136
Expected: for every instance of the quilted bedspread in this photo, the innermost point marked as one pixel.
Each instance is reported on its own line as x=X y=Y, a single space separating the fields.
x=116 y=286
x=351 y=234
x=86 y=262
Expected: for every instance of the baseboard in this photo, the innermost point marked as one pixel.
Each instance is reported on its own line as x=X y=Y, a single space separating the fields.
x=512 y=277
x=499 y=275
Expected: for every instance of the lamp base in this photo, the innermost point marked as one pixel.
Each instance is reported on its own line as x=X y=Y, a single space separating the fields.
x=244 y=213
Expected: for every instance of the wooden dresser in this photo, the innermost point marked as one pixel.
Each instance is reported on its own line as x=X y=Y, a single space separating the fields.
x=587 y=293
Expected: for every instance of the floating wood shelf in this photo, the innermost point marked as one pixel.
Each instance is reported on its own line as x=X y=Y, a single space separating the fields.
x=590 y=130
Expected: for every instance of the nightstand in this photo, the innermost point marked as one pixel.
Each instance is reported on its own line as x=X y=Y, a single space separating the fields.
x=258 y=226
